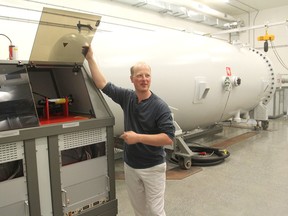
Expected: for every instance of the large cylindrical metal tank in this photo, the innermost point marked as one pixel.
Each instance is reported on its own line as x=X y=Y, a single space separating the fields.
x=203 y=80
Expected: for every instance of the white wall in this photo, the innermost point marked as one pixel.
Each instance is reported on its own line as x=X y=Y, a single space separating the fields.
x=18 y=20
x=269 y=16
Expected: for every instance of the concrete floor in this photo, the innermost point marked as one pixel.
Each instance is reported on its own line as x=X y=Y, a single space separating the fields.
x=253 y=181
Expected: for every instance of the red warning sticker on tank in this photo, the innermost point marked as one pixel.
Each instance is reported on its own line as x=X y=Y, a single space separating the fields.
x=228 y=71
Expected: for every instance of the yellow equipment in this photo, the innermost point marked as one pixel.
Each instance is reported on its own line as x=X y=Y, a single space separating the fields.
x=266 y=37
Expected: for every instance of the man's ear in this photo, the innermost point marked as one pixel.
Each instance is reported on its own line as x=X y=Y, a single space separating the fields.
x=131 y=78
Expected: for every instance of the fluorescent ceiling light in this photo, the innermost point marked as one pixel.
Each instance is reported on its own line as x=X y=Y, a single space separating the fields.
x=220 y=1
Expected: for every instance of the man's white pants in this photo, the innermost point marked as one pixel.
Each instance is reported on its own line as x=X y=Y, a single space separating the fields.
x=146 y=188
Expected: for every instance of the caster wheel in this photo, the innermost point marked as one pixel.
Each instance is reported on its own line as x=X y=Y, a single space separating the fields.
x=185 y=163
x=265 y=125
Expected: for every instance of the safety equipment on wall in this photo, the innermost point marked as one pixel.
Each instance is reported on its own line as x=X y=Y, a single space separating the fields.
x=13 y=50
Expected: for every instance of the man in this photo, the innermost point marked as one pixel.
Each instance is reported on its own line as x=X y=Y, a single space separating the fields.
x=148 y=127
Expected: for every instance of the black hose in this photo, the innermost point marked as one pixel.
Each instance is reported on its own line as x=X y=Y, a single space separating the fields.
x=207 y=164
x=211 y=156
x=7 y=38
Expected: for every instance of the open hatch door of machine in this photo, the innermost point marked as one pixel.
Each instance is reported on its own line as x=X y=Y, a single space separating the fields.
x=61 y=36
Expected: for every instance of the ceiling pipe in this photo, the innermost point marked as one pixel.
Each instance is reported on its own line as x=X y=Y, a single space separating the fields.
x=248 y=28
x=183 y=12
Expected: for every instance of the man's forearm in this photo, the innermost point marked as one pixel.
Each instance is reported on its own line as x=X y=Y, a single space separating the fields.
x=161 y=139
x=97 y=76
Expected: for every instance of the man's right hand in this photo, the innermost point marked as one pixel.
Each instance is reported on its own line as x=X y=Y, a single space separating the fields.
x=85 y=50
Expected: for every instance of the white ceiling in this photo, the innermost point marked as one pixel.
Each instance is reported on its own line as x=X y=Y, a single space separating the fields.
x=236 y=7
x=228 y=11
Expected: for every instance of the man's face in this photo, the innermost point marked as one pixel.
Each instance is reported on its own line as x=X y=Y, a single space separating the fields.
x=141 y=78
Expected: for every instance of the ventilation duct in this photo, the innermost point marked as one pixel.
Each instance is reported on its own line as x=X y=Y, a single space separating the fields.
x=220 y=21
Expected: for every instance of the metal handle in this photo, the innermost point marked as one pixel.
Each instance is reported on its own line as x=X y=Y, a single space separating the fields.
x=26 y=207
x=64 y=194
